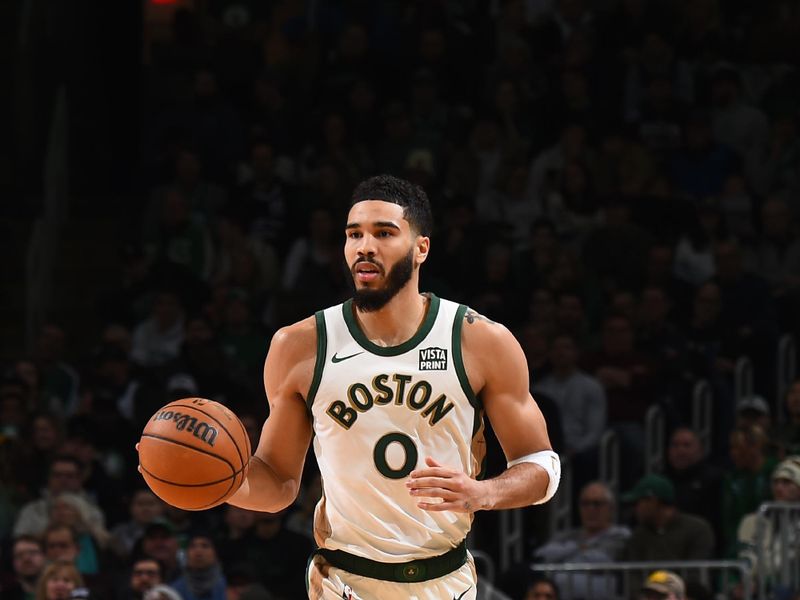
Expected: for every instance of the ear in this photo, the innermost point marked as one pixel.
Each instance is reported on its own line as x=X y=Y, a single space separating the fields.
x=423 y=246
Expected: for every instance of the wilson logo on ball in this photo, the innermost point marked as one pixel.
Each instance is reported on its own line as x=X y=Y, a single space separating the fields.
x=201 y=430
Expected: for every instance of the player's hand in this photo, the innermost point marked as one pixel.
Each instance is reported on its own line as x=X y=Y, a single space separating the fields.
x=458 y=491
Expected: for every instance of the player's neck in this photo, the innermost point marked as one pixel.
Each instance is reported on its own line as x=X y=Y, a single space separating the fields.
x=398 y=321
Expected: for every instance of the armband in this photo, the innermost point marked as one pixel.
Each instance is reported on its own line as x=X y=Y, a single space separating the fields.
x=550 y=462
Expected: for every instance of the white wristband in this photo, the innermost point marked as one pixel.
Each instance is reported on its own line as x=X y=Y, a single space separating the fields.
x=550 y=462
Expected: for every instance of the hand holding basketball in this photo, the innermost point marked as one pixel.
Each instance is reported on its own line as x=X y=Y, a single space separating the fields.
x=194 y=453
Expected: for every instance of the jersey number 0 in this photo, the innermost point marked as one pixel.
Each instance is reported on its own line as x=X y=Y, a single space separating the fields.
x=379 y=455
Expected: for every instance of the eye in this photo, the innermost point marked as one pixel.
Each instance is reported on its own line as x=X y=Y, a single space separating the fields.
x=384 y=233
x=354 y=235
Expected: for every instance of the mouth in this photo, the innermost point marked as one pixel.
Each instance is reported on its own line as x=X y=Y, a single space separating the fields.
x=366 y=271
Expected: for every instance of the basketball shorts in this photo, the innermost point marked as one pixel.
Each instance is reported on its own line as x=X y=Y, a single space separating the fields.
x=326 y=582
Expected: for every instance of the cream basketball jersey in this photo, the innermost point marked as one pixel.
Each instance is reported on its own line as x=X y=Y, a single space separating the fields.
x=378 y=412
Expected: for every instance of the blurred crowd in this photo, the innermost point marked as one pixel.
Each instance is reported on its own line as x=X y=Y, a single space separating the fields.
x=617 y=181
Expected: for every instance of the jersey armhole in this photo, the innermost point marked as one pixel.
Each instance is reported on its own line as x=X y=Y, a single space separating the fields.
x=319 y=364
x=461 y=371
x=458 y=359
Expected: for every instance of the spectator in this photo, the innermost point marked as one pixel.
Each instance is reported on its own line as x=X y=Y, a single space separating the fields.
x=660 y=338
x=160 y=543
x=786 y=435
x=235 y=532
x=615 y=251
x=542 y=311
x=28 y=560
x=145 y=574
x=313 y=263
x=538 y=259
x=158 y=338
x=773 y=165
x=747 y=484
x=72 y=511
x=116 y=389
x=493 y=284
x=162 y=592
x=274 y=551
x=694 y=251
x=753 y=410
x=542 y=588
x=700 y=167
x=628 y=377
x=103 y=466
x=202 y=577
x=264 y=200
x=755 y=528
x=242 y=338
x=180 y=237
x=571 y=317
x=64 y=475
x=12 y=407
x=775 y=256
x=59 y=579
x=663 y=585
x=697 y=482
x=243 y=585
x=45 y=434
x=547 y=167
x=663 y=532
x=241 y=259
x=60 y=380
x=581 y=401
x=204 y=199
x=144 y=508
x=505 y=206
x=203 y=360
x=598 y=539
x=736 y=123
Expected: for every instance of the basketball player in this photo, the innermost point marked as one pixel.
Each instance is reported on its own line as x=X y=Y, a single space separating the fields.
x=393 y=385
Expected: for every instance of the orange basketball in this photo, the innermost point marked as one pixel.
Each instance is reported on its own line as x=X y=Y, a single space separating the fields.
x=194 y=453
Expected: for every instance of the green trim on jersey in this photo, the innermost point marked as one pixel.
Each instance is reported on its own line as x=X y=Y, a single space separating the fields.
x=461 y=371
x=361 y=339
x=319 y=365
x=458 y=360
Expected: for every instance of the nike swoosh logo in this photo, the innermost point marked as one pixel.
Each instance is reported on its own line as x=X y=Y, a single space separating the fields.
x=338 y=359
x=462 y=593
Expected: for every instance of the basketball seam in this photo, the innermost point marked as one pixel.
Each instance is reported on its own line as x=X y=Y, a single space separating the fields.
x=175 y=483
x=221 y=424
x=185 y=445
x=178 y=443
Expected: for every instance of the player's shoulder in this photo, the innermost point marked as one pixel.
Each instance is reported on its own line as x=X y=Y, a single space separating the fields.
x=296 y=341
x=480 y=331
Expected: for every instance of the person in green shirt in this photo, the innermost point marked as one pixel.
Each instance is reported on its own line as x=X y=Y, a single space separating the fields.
x=746 y=485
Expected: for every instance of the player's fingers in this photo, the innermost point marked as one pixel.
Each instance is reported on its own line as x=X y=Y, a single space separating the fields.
x=454 y=506
x=432 y=462
x=432 y=472
x=434 y=492
x=423 y=482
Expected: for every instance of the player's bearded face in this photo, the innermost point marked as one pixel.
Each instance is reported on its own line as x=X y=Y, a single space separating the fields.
x=372 y=299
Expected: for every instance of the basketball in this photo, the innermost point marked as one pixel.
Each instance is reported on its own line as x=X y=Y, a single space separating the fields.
x=194 y=453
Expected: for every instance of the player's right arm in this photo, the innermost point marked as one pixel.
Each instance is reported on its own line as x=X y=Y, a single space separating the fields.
x=276 y=467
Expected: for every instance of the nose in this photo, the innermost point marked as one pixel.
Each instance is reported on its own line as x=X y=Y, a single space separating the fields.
x=366 y=245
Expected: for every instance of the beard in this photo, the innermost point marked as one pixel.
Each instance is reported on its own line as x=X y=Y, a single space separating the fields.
x=368 y=300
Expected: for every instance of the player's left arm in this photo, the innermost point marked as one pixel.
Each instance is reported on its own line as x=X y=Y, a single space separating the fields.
x=498 y=372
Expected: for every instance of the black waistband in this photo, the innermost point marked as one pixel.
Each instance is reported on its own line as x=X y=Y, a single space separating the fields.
x=407 y=572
